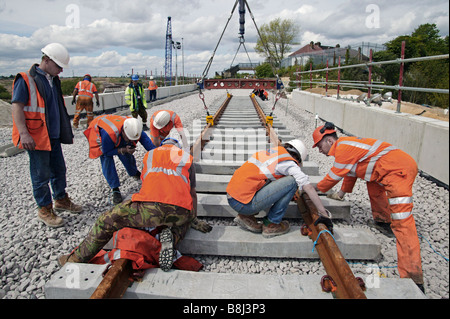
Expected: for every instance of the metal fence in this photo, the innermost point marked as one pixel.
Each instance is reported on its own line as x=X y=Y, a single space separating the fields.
x=369 y=84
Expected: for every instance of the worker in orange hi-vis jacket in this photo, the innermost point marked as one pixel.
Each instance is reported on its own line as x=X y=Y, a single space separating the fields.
x=85 y=90
x=390 y=174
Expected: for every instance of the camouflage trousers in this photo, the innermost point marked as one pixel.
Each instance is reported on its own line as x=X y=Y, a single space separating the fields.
x=134 y=215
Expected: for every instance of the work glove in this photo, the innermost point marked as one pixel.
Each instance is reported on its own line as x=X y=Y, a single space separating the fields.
x=201 y=225
x=335 y=196
x=74 y=101
x=326 y=221
x=98 y=103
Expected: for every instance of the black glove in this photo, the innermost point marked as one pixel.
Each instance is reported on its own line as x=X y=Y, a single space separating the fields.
x=326 y=221
x=201 y=225
x=98 y=103
x=74 y=101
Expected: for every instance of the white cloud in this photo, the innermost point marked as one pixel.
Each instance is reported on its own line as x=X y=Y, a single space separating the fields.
x=116 y=35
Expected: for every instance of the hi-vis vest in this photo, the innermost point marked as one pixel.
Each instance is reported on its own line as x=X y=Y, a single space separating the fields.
x=35 y=120
x=165 y=177
x=251 y=177
x=356 y=157
x=152 y=85
x=86 y=88
x=112 y=124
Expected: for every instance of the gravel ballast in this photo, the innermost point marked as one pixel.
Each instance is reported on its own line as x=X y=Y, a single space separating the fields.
x=29 y=249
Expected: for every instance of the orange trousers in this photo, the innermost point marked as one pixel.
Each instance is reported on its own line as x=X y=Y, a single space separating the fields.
x=391 y=201
x=84 y=103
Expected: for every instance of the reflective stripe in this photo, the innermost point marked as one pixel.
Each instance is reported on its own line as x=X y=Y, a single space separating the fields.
x=374 y=160
x=113 y=127
x=400 y=216
x=343 y=166
x=33 y=107
x=400 y=200
x=355 y=144
x=334 y=176
x=178 y=172
x=263 y=166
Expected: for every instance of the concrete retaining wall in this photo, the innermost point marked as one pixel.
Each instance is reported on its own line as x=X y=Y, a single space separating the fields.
x=425 y=139
x=117 y=99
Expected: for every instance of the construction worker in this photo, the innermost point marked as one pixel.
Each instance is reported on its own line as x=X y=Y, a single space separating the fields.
x=167 y=198
x=152 y=87
x=114 y=135
x=162 y=122
x=85 y=90
x=390 y=174
x=136 y=100
x=270 y=179
x=40 y=125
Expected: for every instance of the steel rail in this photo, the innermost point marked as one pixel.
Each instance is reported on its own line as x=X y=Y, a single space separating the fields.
x=347 y=285
x=200 y=143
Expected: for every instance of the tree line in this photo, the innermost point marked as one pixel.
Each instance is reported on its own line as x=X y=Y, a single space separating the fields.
x=424 y=41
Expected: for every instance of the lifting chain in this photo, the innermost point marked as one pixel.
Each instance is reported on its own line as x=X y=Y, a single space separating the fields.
x=209 y=118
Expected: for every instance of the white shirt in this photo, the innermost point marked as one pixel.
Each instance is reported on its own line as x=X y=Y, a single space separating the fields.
x=290 y=168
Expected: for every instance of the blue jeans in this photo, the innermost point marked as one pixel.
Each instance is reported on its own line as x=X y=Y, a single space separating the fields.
x=276 y=195
x=48 y=167
x=109 y=168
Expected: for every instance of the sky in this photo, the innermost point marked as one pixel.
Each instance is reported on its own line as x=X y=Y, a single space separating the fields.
x=116 y=37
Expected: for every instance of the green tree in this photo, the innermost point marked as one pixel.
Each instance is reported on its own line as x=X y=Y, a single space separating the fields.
x=424 y=41
x=279 y=36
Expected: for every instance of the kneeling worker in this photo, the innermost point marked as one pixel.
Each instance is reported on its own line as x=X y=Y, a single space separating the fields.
x=111 y=135
x=162 y=122
x=167 y=198
x=270 y=179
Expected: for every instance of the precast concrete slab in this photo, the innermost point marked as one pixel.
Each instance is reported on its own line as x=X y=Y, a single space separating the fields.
x=157 y=284
x=220 y=167
x=218 y=183
x=354 y=244
x=216 y=205
x=9 y=150
x=178 y=284
x=74 y=281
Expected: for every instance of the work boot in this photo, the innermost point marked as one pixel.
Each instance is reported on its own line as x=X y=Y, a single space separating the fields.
x=47 y=215
x=117 y=197
x=167 y=251
x=249 y=223
x=271 y=230
x=70 y=258
x=65 y=204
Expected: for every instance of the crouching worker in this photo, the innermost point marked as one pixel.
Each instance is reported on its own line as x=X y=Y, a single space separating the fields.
x=114 y=135
x=389 y=174
x=166 y=199
x=271 y=179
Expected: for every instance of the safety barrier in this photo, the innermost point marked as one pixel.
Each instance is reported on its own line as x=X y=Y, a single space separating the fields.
x=425 y=139
x=109 y=101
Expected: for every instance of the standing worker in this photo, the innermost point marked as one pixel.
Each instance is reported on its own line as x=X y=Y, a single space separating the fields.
x=390 y=174
x=85 y=90
x=152 y=87
x=162 y=122
x=135 y=98
x=167 y=198
x=270 y=179
x=40 y=125
x=114 y=135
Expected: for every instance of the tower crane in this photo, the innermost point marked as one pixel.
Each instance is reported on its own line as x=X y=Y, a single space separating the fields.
x=168 y=64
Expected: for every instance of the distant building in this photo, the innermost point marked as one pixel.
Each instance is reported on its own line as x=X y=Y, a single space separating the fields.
x=320 y=54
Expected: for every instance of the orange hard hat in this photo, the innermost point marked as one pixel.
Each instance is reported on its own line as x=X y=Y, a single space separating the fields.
x=321 y=131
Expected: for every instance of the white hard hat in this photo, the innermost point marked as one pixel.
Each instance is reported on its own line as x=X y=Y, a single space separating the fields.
x=298 y=147
x=58 y=53
x=133 y=128
x=161 y=120
x=151 y=77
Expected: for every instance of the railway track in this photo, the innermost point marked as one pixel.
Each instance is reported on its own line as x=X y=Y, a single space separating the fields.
x=239 y=130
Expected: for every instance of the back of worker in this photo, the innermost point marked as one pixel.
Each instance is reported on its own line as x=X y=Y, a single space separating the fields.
x=166 y=177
